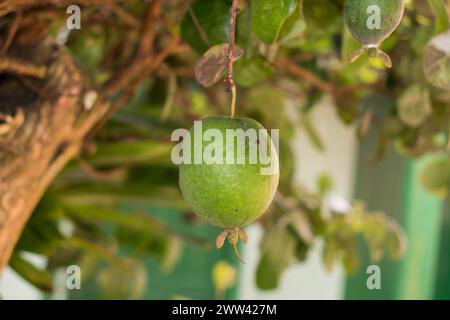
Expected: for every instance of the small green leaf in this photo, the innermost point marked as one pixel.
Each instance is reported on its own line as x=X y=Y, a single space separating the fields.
x=301 y=250
x=268 y=17
x=312 y=134
x=330 y=254
x=119 y=153
x=301 y=225
x=350 y=258
x=224 y=276
x=206 y=24
x=251 y=71
x=116 y=283
x=41 y=279
x=414 y=105
x=396 y=241
x=110 y=194
x=436 y=63
x=324 y=183
x=435 y=176
x=440 y=11
x=278 y=251
x=375 y=230
x=89 y=48
x=293 y=28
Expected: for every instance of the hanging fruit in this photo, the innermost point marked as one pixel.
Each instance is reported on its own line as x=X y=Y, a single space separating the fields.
x=231 y=174
x=371 y=22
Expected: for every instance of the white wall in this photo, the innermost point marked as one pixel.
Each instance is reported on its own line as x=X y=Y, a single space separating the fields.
x=310 y=280
x=13 y=287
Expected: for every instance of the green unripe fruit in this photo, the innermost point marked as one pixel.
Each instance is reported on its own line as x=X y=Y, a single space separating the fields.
x=371 y=22
x=358 y=15
x=229 y=194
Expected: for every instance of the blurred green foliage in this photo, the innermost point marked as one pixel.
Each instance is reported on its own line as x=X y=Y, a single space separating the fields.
x=79 y=220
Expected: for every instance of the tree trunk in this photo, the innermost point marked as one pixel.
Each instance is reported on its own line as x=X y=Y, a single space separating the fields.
x=42 y=126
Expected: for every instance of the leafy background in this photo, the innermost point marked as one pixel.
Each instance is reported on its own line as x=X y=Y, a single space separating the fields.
x=117 y=205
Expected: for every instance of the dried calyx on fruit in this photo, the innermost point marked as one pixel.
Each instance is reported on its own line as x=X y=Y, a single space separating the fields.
x=371 y=22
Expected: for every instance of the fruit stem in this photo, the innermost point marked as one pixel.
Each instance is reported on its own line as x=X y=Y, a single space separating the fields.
x=233 y=100
x=230 y=82
x=237 y=253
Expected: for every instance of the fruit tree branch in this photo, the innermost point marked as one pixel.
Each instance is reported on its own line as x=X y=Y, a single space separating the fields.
x=48 y=136
x=304 y=74
x=45 y=90
x=17 y=66
x=230 y=81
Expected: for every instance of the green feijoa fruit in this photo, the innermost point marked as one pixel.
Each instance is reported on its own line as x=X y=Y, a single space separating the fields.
x=226 y=185
x=371 y=22
x=229 y=174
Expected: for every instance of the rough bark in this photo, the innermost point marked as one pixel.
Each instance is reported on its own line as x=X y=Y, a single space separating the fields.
x=47 y=110
x=42 y=126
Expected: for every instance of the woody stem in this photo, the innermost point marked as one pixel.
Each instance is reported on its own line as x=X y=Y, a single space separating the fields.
x=231 y=54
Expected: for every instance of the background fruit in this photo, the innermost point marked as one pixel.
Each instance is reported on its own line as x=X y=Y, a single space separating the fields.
x=356 y=15
x=435 y=177
x=228 y=195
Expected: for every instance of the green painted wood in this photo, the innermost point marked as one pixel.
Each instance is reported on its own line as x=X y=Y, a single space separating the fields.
x=443 y=274
x=422 y=224
x=391 y=186
x=381 y=186
x=191 y=278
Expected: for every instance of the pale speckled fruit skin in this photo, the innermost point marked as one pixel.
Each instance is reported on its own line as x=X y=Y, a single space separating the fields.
x=355 y=16
x=228 y=195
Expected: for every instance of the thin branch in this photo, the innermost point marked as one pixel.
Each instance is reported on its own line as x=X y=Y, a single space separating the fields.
x=112 y=174
x=230 y=81
x=134 y=67
x=337 y=91
x=171 y=91
x=198 y=26
x=149 y=25
x=305 y=74
x=11 y=33
x=148 y=66
x=125 y=16
x=20 y=67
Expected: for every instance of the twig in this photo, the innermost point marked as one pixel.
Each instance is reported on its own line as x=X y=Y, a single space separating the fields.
x=146 y=67
x=306 y=75
x=230 y=81
x=149 y=28
x=133 y=68
x=101 y=174
x=11 y=33
x=198 y=26
x=125 y=16
x=171 y=91
x=20 y=67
